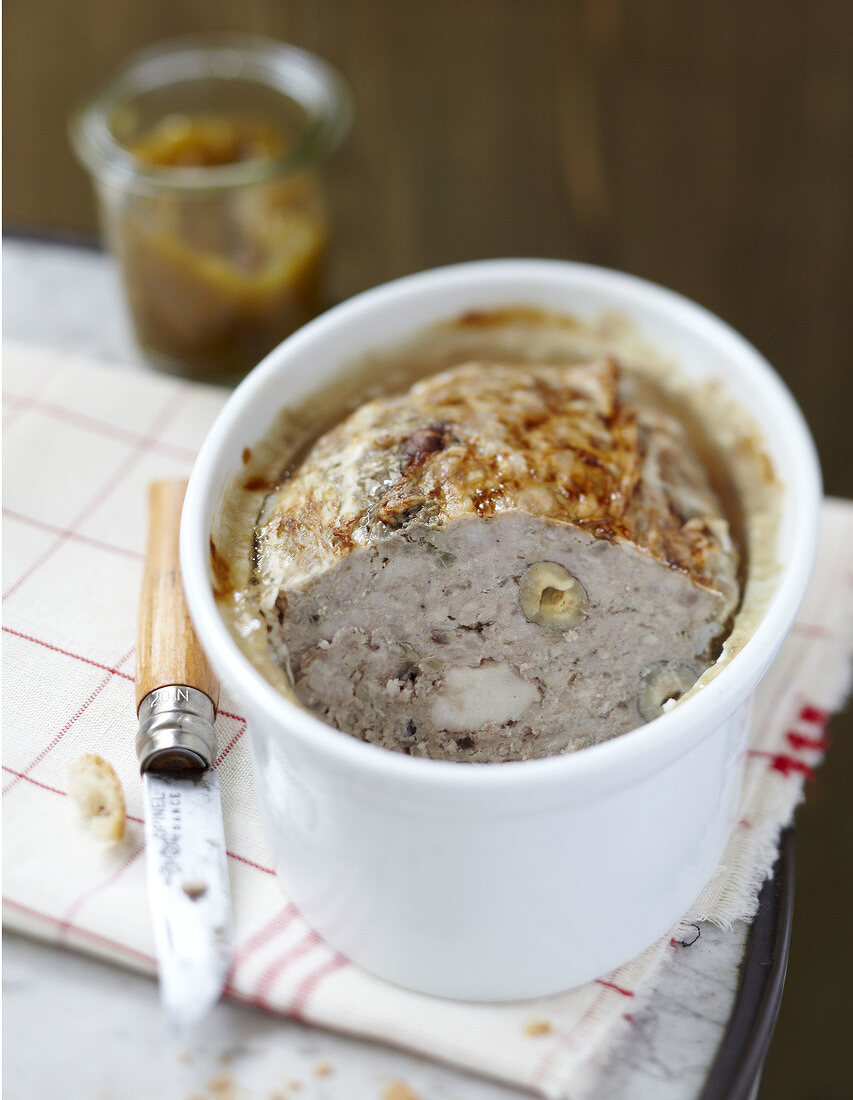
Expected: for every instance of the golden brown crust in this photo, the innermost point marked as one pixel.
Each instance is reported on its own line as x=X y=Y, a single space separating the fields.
x=481 y=439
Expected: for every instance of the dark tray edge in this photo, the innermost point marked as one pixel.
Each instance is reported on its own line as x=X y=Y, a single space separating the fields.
x=737 y=1066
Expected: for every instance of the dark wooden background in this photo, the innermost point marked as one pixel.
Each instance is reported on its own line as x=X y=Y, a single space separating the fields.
x=704 y=145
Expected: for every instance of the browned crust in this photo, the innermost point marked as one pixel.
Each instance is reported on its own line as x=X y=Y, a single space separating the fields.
x=556 y=442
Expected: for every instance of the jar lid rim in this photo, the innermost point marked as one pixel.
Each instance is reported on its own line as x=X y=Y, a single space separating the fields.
x=301 y=76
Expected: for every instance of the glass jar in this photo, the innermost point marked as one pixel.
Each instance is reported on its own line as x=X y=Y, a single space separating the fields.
x=204 y=154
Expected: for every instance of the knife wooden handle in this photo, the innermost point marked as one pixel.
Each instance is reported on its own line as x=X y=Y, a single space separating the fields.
x=167 y=649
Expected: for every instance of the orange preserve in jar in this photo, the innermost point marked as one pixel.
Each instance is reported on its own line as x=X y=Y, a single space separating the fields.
x=215 y=214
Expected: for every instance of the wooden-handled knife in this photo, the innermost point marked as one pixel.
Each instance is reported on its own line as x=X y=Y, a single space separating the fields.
x=177 y=696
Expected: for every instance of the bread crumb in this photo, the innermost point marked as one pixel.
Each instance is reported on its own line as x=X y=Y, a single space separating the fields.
x=95 y=787
x=323 y=1069
x=221 y=1085
x=399 y=1090
x=537 y=1026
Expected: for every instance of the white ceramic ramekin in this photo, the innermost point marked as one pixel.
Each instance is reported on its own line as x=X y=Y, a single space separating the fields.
x=497 y=882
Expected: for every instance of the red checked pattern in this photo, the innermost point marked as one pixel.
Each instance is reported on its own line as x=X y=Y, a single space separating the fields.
x=81 y=443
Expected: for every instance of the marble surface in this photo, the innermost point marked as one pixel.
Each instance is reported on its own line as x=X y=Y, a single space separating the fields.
x=97 y=1029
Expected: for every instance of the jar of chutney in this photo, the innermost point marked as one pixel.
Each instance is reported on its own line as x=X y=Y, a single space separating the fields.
x=206 y=157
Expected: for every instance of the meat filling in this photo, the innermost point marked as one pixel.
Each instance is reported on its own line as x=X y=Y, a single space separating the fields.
x=502 y=563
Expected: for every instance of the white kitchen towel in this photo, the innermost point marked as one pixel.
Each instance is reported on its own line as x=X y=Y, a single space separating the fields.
x=81 y=444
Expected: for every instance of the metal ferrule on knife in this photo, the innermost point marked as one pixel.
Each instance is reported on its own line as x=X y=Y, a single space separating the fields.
x=176 y=729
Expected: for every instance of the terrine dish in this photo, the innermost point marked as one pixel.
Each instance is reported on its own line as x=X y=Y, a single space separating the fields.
x=422 y=548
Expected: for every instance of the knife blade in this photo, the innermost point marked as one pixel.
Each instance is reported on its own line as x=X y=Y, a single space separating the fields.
x=188 y=892
x=186 y=861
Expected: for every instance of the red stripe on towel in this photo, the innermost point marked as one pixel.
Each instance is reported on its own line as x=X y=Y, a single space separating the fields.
x=68 y=653
x=308 y=985
x=801 y=741
x=783 y=763
x=266 y=932
x=617 y=988
x=81 y=710
x=138 y=820
x=65 y=923
x=143 y=444
x=273 y=972
x=84 y=933
x=101 y=427
x=814 y=715
x=51 y=528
